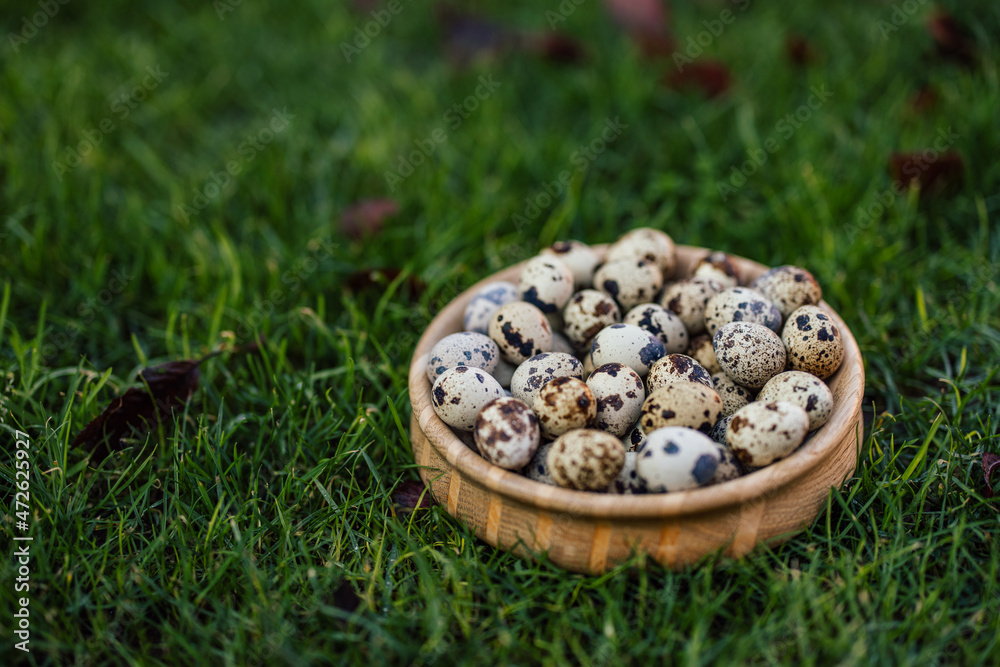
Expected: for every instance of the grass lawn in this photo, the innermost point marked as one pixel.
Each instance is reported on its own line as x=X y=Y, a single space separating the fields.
x=260 y=526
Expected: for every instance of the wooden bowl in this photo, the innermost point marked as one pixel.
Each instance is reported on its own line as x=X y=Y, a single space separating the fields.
x=590 y=532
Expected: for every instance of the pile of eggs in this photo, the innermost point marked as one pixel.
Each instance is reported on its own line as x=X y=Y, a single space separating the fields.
x=612 y=377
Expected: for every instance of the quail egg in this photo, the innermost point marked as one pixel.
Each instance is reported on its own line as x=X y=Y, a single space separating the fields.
x=629 y=281
x=462 y=349
x=627 y=344
x=733 y=395
x=761 y=433
x=520 y=330
x=718 y=432
x=579 y=257
x=586 y=459
x=587 y=312
x=804 y=390
x=546 y=283
x=460 y=393
x=538 y=468
x=539 y=369
x=740 y=304
x=506 y=433
x=717 y=266
x=676 y=459
x=676 y=368
x=564 y=404
x=688 y=298
x=619 y=394
x=634 y=439
x=647 y=244
x=729 y=466
x=750 y=354
x=690 y=404
x=789 y=288
x=701 y=351
x=813 y=342
x=627 y=481
x=485 y=303
x=662 y=323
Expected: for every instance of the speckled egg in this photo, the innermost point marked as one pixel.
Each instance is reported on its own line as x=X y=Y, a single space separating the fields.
x=761 y=433
x=586 y=459
x=813 y=342
x=587 y=312
x=539 y=369
x=676 y=368
x=538 y=468
x=504 y=372
x=629 y=281
x=520 y=331
x=627 y=344
x=627 y=481
x=507 y=434
x=462 y=349
x=676 y=459
x=564 y=404
x=718 y=432
x=545 y=283
x=717 y=266
x=740 y=304
x=701 y=351
x=579 y=257
x=633 y=439
x=733 y=395
x=804 y=390
x=750 y=354
x=460 y=393
x=648 y=244
x=689 y=404
x=789 y=288
x=729 y=466
x=662 y=323
x=619 y=394
x=485 y=303
x=688 y=298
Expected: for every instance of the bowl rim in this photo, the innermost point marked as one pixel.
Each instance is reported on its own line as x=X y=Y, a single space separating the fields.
x=754 y=486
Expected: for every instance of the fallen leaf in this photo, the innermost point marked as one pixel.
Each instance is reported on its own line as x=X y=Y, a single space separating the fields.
x=710 y=77
x=990 y=463
x=413 y=495
x=799 y=51
x=647 y=24
x=554 y=47
x=934 y=172
x=469 y=38
x=379 y=278
x=953 y=40
x=925 y=99
x=366 y=217
x=344 y=597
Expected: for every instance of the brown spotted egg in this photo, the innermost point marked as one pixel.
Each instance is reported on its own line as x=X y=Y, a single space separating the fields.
x=648 y=244
x=662 y=323
x=538 y=468
x=633 y=439
x=629 y=281
x=813 y=342
x=718 y=432
x=585 y=459
x=676 y=459
x=506 y=433
x=676 y=368
x=579 y=257
x=688 y=298
x=485 y=303
x=460 y=393
x=627 y=481
x=521 y=331
x=689 y=404
x=619 y=394
x=761 y=433
x=804 y=390
x=564 y=404
x=546 y=283
x=462 y=349
x=539 y=369
x=789 y=288
x=750 y=354
x=719 y=267
x=701 y=351
x=733 y=395
x=740 y=304
x=627 y=344
x=587 y=312
x=729 y=466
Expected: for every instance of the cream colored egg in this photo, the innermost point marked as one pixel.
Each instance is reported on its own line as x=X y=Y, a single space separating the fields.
x=521 y=331
x=689 y=404
x=585 y=459
x=761 y=433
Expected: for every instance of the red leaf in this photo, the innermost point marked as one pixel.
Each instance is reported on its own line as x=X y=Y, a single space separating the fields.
x=711 y=77
x=990 y=463
x=952 y=40
x=924 y=99
x=554 y=47
x=932 y=171
x=646 y=22
x=799 y=51
x=366 y=217
x=413 y=495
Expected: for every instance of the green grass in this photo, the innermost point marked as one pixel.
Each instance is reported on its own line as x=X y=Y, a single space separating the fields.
x=224 y=537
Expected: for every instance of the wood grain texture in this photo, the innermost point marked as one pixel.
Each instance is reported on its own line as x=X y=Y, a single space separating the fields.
x=590 y=532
